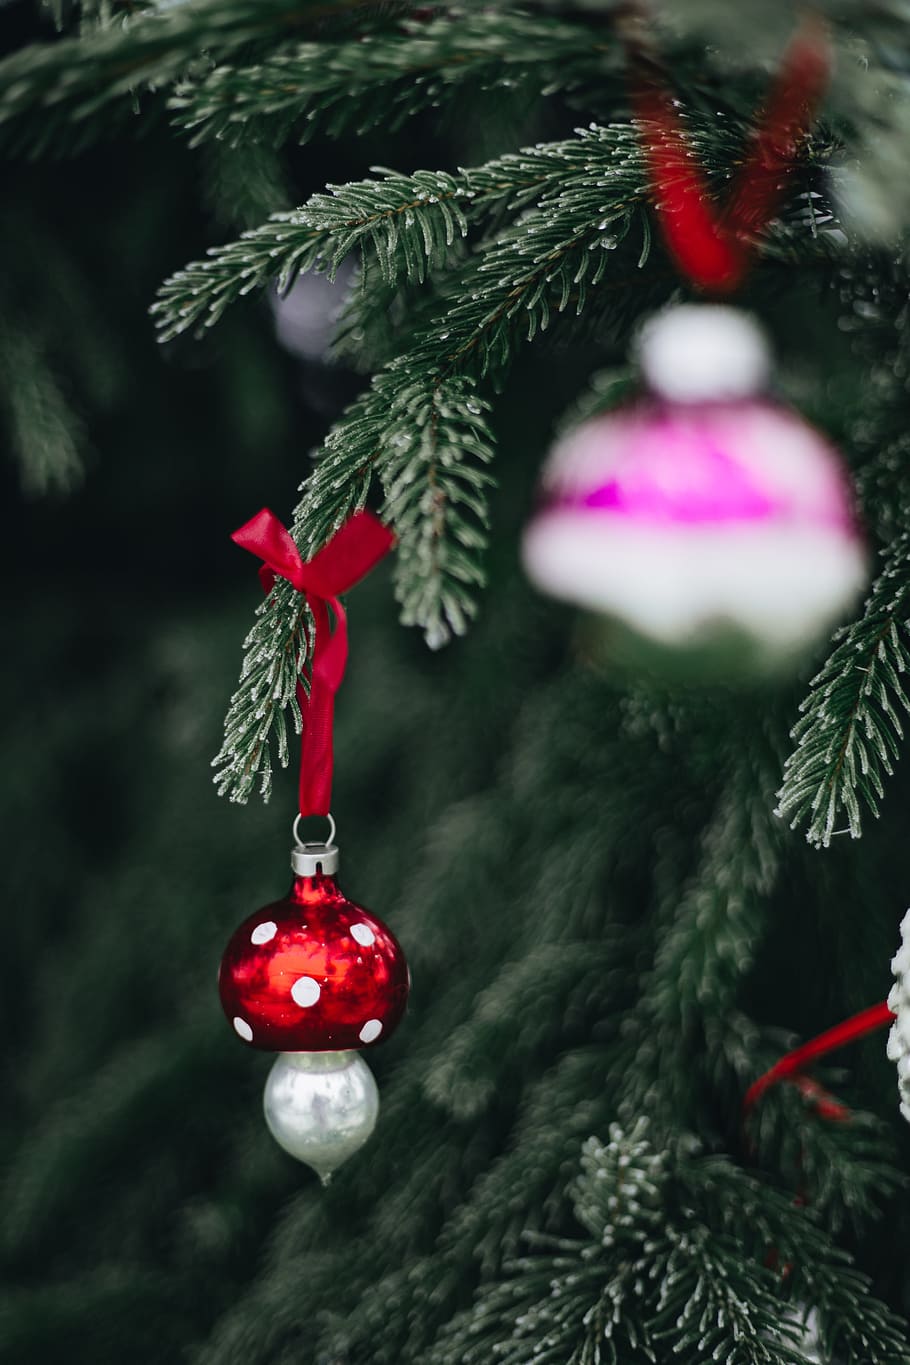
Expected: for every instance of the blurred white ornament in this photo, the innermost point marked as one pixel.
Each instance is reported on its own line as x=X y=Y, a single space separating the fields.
x=899 y=1004
x=810 y=1345
x=321 y=1107
x=306 y=315
x=805 y=1322
x=704 y=506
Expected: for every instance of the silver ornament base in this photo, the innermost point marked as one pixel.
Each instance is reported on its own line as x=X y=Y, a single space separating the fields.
x=321 y=1107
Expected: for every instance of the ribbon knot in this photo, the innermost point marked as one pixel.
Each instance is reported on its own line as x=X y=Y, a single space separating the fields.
x=713 y=249
x=347 y=558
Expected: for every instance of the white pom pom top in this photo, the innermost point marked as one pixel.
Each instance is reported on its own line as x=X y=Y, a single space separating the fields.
x=697 y=352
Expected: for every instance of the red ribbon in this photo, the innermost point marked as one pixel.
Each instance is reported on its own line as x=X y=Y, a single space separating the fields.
x=791 y=1066
x=347 y=558
x=713 y=249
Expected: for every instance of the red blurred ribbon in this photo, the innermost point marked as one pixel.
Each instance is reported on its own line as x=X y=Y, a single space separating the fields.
x=347 y=558
x=714 y=249
x=791 y=1066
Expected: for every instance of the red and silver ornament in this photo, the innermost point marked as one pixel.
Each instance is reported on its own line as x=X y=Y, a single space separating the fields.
x=317 y=979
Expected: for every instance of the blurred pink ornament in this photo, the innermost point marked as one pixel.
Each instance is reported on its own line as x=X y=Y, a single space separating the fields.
x=703 y=506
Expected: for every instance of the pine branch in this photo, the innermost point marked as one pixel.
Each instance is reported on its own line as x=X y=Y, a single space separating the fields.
x=557 y=976
x=242 y=186
x=622 y=1184
x=86 y=86
x=651 y=1281
x=268 y=688
x=585 y=1303
x=849 y=736
x=715 y=1305
x=710 y=944
x=434 y=486
x=377 y=317
x=675 y=1265
x=389 y=77
x=45 y=434
x=526 y=1182
x=849 y=1171
x=434 y=496
x=855 y=1327
x=420 y=426
x=707 y=933
x=538 y=264
x=408 y=223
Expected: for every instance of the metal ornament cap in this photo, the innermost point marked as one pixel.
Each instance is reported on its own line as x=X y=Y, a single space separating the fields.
x=308 y=860
x=321 y=1107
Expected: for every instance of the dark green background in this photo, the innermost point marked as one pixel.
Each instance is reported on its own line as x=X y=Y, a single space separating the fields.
x=142 y=1198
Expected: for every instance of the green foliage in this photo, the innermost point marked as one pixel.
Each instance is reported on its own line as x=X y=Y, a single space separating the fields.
x=88 y=85
x=44 y=432
x=849 y=1169
x=244 y=185
x=409 y=223
x=268 y=689
x=58 y=352
x=661 y=1276
x=389 y=77
x=849 y=735
x=532 y=903
x=464 y=1080
x=717 y=922
x=854 y=1326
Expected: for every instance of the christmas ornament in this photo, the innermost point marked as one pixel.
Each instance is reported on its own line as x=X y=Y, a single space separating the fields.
x=305 y=316
x=703 y=508
x=804 y=1322
x=899 y=1004
x=314 y=976
x=305 y=319
x=704 y=514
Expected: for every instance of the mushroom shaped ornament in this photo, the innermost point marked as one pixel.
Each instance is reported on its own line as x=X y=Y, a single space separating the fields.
x=315 y=978
x=703 y=518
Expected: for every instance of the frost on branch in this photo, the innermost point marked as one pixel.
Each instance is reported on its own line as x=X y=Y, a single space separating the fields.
x=849 y=735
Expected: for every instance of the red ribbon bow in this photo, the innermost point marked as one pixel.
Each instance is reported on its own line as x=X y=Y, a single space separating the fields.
x=713 y=249
x=347 y=558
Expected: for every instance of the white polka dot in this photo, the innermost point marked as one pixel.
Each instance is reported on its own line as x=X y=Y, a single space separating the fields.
x=370 y=1031
x=264 y=932
x=305 y=991
x=243 y=1028
x=363 y=934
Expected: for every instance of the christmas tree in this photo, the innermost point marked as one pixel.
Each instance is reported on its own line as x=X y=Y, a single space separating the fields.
x=393 y=255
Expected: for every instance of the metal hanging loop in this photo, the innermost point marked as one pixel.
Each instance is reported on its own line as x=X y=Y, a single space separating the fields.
x=329 y=841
